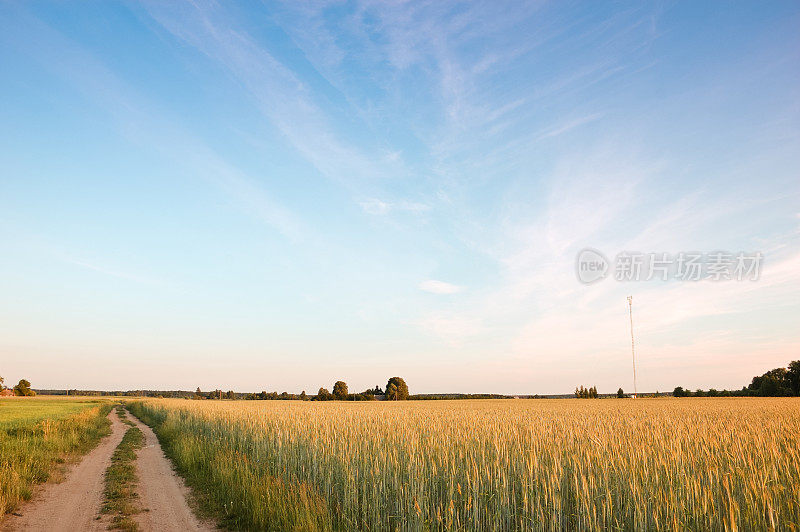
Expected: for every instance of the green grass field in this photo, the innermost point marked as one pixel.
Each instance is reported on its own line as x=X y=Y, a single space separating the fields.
x=39 y=434
x=19 y=412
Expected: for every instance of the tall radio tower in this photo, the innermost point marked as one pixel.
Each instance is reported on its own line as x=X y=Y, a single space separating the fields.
x=633 y=352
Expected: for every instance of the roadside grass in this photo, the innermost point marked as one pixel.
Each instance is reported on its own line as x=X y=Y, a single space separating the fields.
x=37 y=435
x=229 y=486
x=121 y=499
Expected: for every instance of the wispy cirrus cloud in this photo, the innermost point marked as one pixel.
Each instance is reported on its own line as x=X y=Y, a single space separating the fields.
x=279 y=93
x=439 y=287
x=480 y=142
x=146 y=123
x=570 y=125
x=380 y=207
x=538 y=315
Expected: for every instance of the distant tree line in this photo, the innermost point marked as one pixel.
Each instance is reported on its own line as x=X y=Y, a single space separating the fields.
x=779 y=382
x=586 y=393
x=216 y=394
x=396 y=390
x=396 y=387
x=178 y=394
x=451 y=396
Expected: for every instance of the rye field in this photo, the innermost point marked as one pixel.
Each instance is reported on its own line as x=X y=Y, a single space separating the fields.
x=37 y=434
x=613 y=464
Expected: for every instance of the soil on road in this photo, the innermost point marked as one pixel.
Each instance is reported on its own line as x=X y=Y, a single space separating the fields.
x=75 y=503
x=162 y=492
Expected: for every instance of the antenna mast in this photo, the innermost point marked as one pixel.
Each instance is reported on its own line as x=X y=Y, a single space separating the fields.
x=633 y=352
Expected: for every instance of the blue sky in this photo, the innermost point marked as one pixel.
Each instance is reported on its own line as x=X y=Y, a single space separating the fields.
x=279 y=195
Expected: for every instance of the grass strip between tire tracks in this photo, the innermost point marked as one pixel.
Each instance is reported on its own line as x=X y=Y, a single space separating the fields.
x=121 y=499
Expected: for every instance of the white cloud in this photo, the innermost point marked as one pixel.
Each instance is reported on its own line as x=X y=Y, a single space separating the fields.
x=570 y=125
x=278 y=91
x=439 y=287
x=536 y=316
x=380 y=207
x=375 y=206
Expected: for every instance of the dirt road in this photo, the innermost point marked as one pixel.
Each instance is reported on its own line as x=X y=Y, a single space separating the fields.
x=162 y=492
x=75 y=503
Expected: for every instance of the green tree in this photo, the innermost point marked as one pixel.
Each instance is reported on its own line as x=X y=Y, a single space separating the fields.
x=303 y=396
x=679 y=392
x=776 y=382
x=1 y=383
x=792 y=376
x=391 y=392
x=23 y=389
x=620 y=394
x=340 y=391
x=586 y=393
x=324 y=395
x=400 y=390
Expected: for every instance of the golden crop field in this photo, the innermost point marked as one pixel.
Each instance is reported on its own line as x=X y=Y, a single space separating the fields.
x=646 y=464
